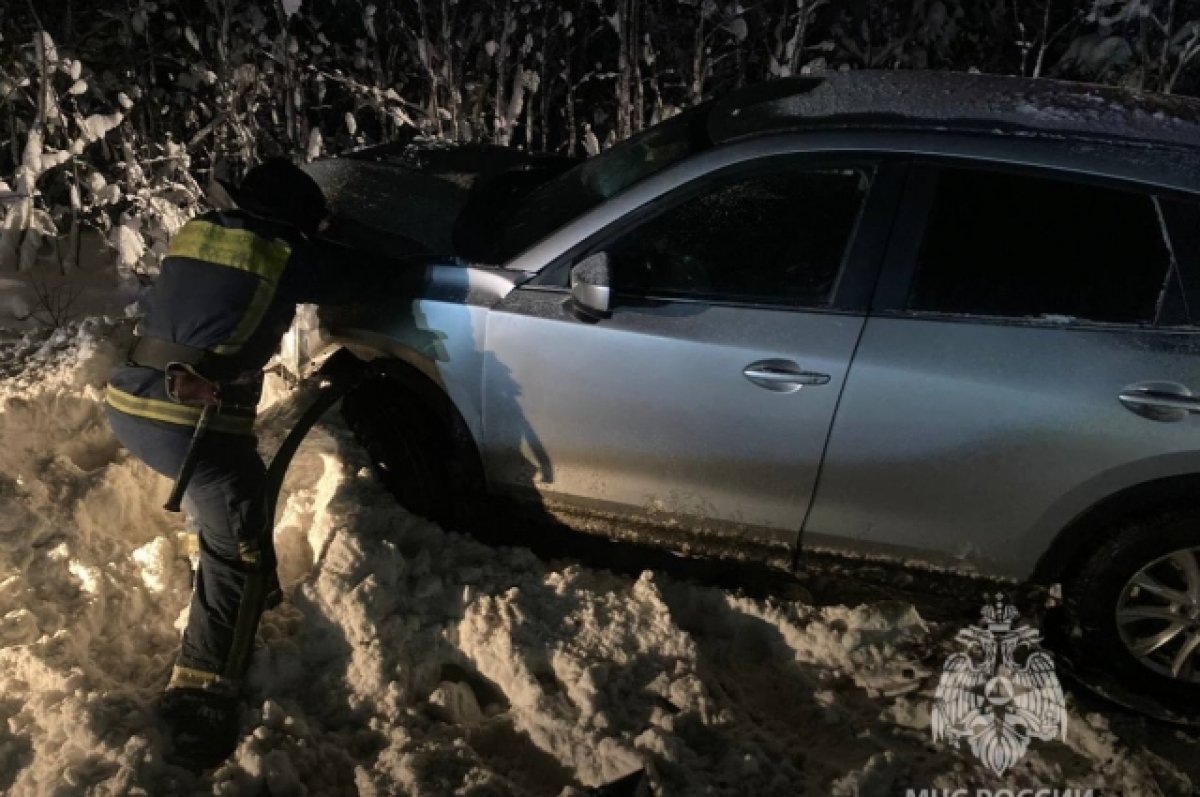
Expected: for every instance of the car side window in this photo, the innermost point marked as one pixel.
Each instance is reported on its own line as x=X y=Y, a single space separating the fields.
x=1032 y=247
x=775 y=236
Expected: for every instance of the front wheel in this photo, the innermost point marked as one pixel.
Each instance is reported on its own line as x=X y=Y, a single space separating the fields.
x=410 y=449
x=1135 y=604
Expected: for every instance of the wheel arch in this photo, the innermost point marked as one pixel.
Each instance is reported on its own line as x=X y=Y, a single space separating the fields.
x=417 y=379
x=1099 y=521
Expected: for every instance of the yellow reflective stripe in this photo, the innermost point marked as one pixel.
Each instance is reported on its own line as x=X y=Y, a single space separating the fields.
x=266 y=258
x=170 y=412
x=248 y=552
x=192 y=678
x=240 y=249
x=264 y=294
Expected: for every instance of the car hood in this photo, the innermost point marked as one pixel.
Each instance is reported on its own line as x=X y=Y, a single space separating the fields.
x=433 y=200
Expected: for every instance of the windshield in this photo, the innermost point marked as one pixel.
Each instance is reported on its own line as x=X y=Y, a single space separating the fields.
x=582 y=188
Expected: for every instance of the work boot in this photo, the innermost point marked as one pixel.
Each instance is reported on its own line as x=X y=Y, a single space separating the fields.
x=201 y=726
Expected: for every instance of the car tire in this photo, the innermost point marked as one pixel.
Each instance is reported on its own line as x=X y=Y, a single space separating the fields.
x=410 y=448
x=1118 y=624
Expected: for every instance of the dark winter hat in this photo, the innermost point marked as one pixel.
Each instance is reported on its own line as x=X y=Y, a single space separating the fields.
x=277 y=189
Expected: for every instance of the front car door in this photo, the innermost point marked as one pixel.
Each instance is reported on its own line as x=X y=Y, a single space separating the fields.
x=705 y=400
x=985 y=406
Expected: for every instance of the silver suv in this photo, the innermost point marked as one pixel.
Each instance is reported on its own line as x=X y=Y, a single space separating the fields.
x=949 y=318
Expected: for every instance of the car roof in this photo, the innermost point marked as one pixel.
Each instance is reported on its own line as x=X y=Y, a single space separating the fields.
x=1160 y=131
x=957 y=101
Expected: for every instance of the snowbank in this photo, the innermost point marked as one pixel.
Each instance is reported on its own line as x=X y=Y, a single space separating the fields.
x=32 y=299
x=411 y=660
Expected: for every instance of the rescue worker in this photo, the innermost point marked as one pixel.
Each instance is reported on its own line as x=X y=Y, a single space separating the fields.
x=226 y=294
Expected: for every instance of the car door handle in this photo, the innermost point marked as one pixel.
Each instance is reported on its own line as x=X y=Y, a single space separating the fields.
x=782 y=376
x=1160 y=401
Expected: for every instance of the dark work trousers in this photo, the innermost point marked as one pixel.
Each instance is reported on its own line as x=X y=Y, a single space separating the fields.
x=224 y=499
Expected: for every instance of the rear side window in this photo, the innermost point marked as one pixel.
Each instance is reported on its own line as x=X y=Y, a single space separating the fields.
x=1015 y=246
x=774 y=236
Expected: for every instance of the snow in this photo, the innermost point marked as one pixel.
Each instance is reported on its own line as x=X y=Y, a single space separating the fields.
x=128 y=245
x=90 y=287
x=44 y=49
x=410 y=660
x=97 y=125
x=315 y=142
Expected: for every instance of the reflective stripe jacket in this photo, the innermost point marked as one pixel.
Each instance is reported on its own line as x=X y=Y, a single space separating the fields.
x=230 y=284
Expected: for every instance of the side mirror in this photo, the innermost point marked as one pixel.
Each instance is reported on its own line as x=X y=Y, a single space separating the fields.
x=591 y=286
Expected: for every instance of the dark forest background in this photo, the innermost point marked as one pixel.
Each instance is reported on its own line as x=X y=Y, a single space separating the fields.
x=114 y=115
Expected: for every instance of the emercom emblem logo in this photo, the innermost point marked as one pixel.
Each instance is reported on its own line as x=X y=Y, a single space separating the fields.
x=1000 y=692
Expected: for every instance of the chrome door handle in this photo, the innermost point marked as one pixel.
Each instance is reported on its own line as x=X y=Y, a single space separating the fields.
x=782 y=376
x=1160 y=401
x=786 y=377
x=1150 y=398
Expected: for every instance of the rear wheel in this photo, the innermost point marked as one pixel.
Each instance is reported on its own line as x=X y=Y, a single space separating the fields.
x=1136 y=604
x=412 y=450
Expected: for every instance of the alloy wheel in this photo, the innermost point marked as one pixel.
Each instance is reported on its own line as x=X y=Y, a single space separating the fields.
x=1158 y=615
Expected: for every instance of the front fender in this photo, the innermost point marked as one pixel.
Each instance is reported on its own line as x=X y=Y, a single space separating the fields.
x=443 y=341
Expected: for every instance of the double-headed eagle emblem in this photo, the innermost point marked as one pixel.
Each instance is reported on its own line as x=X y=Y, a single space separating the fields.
x=1000 y=692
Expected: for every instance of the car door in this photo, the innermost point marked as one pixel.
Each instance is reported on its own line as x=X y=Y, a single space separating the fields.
x=1001 y=384
x=706 y=397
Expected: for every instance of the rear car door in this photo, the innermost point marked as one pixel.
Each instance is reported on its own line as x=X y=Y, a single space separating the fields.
x=999 y=386
x=706 y=398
